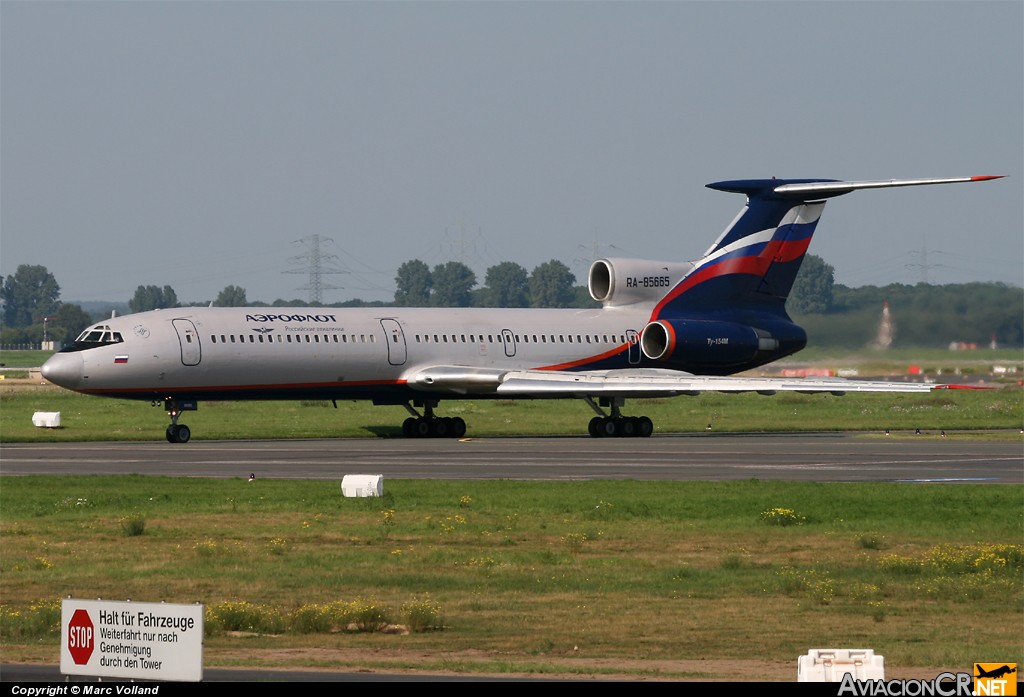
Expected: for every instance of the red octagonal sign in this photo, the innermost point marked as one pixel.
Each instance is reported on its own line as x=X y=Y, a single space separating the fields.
x=81 y=637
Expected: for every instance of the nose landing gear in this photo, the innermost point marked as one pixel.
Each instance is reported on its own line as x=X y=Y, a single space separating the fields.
x=178 y=433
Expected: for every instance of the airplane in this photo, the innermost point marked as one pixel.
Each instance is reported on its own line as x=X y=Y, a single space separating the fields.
x=664 y=329
x=994 y=673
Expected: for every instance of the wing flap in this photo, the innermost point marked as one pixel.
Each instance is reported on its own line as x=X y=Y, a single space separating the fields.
x=666 y=383
x=638 y=382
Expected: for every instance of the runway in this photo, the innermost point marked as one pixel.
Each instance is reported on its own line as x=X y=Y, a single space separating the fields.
x=847 y=457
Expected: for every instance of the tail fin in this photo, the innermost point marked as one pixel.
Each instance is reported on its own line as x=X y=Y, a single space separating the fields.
x=752 y=265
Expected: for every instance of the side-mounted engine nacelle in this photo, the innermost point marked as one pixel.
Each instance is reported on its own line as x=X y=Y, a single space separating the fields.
x=627 y=281
x=688 y=344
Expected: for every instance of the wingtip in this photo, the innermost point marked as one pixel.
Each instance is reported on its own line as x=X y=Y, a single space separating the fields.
x=987 y=177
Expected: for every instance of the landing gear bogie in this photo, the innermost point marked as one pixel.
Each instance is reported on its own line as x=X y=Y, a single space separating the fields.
x=616 y=425
x=620 y=427
x=430 y=426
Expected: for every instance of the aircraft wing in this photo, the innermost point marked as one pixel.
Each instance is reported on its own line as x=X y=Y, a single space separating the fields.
x=639 y=382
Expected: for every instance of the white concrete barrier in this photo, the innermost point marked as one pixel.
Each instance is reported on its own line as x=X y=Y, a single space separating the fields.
x=830 y=665
x=46 y=419
x=362 y=485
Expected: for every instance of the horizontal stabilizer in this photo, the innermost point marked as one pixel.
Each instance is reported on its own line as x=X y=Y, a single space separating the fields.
x=837 y=188
x=806 y=189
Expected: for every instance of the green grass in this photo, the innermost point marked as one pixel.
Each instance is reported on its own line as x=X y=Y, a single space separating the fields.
x=22 y=359
x=86 y=418
x=585 y=578
x=515 y=576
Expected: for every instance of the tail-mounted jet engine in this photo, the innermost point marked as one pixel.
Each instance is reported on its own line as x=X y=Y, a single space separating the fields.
x=715 y=346
x=615 y=282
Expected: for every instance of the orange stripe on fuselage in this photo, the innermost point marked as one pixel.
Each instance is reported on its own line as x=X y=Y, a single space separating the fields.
x=252 y=388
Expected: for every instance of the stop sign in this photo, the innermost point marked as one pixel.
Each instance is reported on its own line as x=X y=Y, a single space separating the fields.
x=81 y=637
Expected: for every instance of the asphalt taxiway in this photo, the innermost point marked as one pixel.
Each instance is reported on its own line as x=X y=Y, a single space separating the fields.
x=848 y=457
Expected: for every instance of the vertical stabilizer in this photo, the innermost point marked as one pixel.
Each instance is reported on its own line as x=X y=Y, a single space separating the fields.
x=754 y=262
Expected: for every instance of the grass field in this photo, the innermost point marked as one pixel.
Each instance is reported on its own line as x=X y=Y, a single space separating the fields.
x=634 y=580
x=622 y=580
x=86 y=418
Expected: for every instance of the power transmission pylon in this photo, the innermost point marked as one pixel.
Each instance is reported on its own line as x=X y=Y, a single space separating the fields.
x=316 y=265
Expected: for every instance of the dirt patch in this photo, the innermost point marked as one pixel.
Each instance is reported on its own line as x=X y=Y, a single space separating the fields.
x=573 y=667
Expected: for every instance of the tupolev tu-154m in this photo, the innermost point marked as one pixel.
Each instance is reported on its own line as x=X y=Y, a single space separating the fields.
x=664 y=328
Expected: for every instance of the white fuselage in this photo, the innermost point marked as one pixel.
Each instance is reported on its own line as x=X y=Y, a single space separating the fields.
x=272 y=353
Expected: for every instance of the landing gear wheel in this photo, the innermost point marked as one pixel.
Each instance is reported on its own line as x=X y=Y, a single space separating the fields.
x=609 y=427
x=178 y=433
x=409 y=427
x=594 y=427
x=458 y=427
x=440 y=428
x=627 y=426
x=644 y=427
x=421 y=429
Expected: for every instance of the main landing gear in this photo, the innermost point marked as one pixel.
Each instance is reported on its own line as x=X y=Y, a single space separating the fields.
x=429 y=426
x=178 y=433
x=615 y=424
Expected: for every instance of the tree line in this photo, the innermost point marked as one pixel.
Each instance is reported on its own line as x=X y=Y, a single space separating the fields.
x=833 y=314
x=33 y=311
x=918 y=314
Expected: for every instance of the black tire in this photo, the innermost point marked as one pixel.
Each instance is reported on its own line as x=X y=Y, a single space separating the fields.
x=421 y=429
x=644 y=427
x=627 y=426
x=594 y=427
x=408 y=427
x=609 y=427
x=179 y=434
x=458 y=427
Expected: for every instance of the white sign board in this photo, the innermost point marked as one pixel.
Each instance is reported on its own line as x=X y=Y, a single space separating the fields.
x=139 y=641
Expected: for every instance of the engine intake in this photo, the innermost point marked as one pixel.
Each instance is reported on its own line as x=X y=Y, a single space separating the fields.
x=627 y=281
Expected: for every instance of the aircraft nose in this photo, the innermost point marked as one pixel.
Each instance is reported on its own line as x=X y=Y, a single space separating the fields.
x=64 y=369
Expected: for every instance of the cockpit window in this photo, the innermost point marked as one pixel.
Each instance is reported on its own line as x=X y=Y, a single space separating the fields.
x=101 y=334
x=93 y=337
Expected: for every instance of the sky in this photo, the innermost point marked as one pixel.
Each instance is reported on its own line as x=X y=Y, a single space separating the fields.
x=206 y=144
